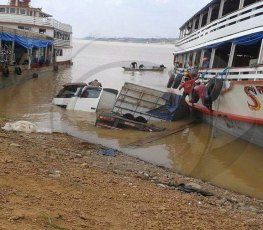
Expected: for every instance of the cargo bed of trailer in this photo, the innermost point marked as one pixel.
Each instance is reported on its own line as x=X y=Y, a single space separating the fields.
x=143 y=103
x=112 y=120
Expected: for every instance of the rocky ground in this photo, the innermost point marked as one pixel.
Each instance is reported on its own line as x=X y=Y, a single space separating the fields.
x=54 y=181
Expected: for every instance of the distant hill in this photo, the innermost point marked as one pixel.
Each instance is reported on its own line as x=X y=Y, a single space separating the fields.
x=135 y=40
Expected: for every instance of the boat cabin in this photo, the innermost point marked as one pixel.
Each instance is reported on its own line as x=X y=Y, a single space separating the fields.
x=225 y=33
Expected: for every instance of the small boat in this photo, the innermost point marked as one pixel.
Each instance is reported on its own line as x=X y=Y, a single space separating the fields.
x=145 y=68
x=67 y=92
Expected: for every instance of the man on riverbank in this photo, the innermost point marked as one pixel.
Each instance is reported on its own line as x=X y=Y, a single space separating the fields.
x=95 y=83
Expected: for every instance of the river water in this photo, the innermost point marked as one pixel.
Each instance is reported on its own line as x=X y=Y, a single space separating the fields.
x=199 y=151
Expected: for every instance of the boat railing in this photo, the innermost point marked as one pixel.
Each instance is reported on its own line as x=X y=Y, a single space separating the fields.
x=61 y=42
x=233 y=73
x=236 y=17
x=30 y=20
x=61 y=26
x=24 y=33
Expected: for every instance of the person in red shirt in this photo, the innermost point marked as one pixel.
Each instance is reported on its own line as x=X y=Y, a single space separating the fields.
x=199 y=88
x=187 y=85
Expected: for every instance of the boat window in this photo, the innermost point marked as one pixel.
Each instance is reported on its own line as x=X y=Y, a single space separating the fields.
x=179 y=58
x=249 y=2
x=22 y=11
x=204 y=19
x=91 y=93
x=185 y=60
x=230 y=6
x=207 y=58
x=59 y=52
x=2 y=10
x=175 y=58
x=246 y=55
x=24 y=28
x=191 y=57
x=215 y=13
x=197 y=58
x=222 y=54
x=190 y=60
x=196 y=23
x=188 y=29
x=12 y=10
x=42 y=31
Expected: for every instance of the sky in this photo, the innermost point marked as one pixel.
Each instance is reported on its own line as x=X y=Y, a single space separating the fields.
x=121 y=18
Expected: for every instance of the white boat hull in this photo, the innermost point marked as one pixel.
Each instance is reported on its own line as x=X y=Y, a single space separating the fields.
x=238 y=111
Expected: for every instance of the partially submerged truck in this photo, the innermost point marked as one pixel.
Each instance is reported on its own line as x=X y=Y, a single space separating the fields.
x=141 y=104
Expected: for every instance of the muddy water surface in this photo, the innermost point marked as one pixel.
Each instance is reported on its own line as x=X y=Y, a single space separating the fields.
x=199 y=151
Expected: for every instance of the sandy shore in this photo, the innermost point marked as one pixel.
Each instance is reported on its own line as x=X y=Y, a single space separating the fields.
x=54 y=181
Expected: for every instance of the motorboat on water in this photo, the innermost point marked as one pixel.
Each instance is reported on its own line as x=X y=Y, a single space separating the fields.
x=146 y=68
x=224 y=42
x=83 y=97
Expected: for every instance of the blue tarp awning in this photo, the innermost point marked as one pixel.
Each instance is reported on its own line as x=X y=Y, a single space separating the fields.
x=244 y=40
x=26 y=42
x=248 y=39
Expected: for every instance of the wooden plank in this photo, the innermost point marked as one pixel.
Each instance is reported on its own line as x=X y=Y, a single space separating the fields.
x=162 y=134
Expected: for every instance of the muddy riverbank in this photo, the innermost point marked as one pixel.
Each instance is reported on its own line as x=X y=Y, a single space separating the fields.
x=54 y=181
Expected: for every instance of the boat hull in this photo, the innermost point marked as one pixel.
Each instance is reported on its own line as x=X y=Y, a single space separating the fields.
x=238 y=111
x=157 y=69
x=250 y=132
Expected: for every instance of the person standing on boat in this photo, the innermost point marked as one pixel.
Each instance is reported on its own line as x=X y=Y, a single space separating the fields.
x=95 y=83
x=134 y=64
x=206 y=63
x=187 y=84
x=199 y=88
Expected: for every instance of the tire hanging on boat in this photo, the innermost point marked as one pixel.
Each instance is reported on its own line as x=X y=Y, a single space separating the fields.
x=170 y=81
x=212 y=91
x=5 y=71
x=193 y=96
x=177 y=81
x=18 y=70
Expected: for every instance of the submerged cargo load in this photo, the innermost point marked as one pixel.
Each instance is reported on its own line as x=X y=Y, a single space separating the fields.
x=142 y=104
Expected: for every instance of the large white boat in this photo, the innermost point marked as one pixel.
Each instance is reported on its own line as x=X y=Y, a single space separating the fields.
x=224 y=41
x=31 y=36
